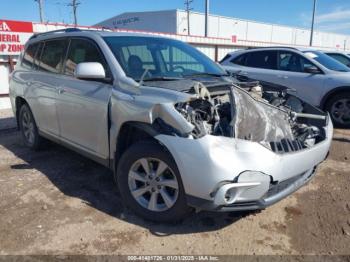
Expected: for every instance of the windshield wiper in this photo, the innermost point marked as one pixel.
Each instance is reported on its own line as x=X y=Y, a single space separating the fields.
x=161 y=78
x=206 y=74
x=155 y=78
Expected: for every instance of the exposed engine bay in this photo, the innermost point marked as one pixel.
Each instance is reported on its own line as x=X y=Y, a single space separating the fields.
x=276 y=119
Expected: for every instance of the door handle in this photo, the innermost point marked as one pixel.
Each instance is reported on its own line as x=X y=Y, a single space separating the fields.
x=61 y=91
x=69 y=90
x=283 y=77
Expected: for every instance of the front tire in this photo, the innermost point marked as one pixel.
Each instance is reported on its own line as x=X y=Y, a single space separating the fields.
x=339 y=109
x=28 y=128
x=150 y=183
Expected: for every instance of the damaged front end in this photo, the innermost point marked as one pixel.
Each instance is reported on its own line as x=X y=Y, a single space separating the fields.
x=274 y=118
x=241 y=146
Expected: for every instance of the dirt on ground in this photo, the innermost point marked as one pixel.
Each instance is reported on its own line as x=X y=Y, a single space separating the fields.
x=54 y=201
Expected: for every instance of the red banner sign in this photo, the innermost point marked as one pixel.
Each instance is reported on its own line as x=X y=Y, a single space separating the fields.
x=13 y=36
x=16 y=26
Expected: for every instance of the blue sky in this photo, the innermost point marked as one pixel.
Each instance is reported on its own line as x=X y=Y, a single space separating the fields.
x=332 y=15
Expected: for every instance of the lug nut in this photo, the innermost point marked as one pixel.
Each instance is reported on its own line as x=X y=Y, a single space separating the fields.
x=159 y=187
x=153 y=190
x=157 y=179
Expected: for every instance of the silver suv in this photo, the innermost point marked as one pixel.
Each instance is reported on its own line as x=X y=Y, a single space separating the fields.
x=316 y=77
x=176 y=131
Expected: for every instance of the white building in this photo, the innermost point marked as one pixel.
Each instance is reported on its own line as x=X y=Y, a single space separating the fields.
x=242 y=33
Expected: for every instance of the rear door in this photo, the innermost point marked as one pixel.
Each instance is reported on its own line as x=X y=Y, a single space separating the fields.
x=82 y=105
x=43 y=86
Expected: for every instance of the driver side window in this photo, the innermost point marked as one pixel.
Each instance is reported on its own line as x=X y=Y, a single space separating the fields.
x=292 y=62
x=81 y=50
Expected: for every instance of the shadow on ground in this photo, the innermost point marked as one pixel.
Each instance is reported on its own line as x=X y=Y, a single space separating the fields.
x=79 y=177
x=7 y=123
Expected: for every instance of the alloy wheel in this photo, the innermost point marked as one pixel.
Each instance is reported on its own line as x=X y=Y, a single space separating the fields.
x=153 y=184
x=340 y=111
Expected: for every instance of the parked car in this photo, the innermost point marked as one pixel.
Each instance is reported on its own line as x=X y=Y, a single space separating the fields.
x=339 y=56
x=316 y=77
x=174 y=128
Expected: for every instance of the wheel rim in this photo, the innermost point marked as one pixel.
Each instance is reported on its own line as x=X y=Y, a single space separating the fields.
x=153 y=184
x=340 y=111
x=28 y=127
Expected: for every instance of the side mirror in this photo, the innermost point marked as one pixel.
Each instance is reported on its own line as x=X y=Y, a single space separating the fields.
x=89 y=70
x=312 y=70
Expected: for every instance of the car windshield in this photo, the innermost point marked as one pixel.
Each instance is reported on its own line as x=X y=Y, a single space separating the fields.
x=327 y=61
x=150 y=58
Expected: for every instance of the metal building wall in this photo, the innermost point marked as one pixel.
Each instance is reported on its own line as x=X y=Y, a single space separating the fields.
x=157 y=21
x=252 y=33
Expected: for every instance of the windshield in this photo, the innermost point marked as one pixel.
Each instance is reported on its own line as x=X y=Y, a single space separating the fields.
x=159 y=58
x=327 y=61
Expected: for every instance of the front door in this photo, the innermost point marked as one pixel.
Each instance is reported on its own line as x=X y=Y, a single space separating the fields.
x=291 y=73
x=82 y=105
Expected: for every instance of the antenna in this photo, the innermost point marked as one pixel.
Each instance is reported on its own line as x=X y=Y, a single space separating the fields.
x=74 y=4
x=188 y=8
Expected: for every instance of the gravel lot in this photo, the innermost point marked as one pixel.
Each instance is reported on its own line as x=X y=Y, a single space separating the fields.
x=57 y=202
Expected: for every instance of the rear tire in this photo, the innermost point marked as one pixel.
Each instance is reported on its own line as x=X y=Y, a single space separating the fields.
x=338 y=107
x=28 y=128
x=150 y=183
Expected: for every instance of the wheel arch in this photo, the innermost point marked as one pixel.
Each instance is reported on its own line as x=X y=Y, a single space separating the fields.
x=332 y=93
x=131 y=133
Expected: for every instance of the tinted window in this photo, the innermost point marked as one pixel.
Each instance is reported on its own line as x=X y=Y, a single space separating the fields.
x=52 y=56
x=262 y=59
x=80 y=51
x=38 y=55
x=327 y=61
x=341 y=58
x=289 y=61
x=29 y=55
x=162 y=57
x=240 y=60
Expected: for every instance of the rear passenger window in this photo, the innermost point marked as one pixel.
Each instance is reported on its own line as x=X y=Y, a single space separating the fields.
x=52 y=56
x=29 y=55
x=240 y=60
x=262 y=59
x=80 y=51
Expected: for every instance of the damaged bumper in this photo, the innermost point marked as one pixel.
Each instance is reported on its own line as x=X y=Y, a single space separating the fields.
x=227 y=174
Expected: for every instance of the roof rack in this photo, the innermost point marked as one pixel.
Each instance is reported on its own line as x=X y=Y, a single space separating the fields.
x=268 y=47
x=66 y=30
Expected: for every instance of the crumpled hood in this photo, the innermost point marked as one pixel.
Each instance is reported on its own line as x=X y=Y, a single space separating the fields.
x=258 y=121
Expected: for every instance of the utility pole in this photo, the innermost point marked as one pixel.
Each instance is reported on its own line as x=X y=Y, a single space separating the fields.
x=74 y=5
x=345 y=42
x=206 y=18
x=41 y=10
x=313 y=22
x=188 y=9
